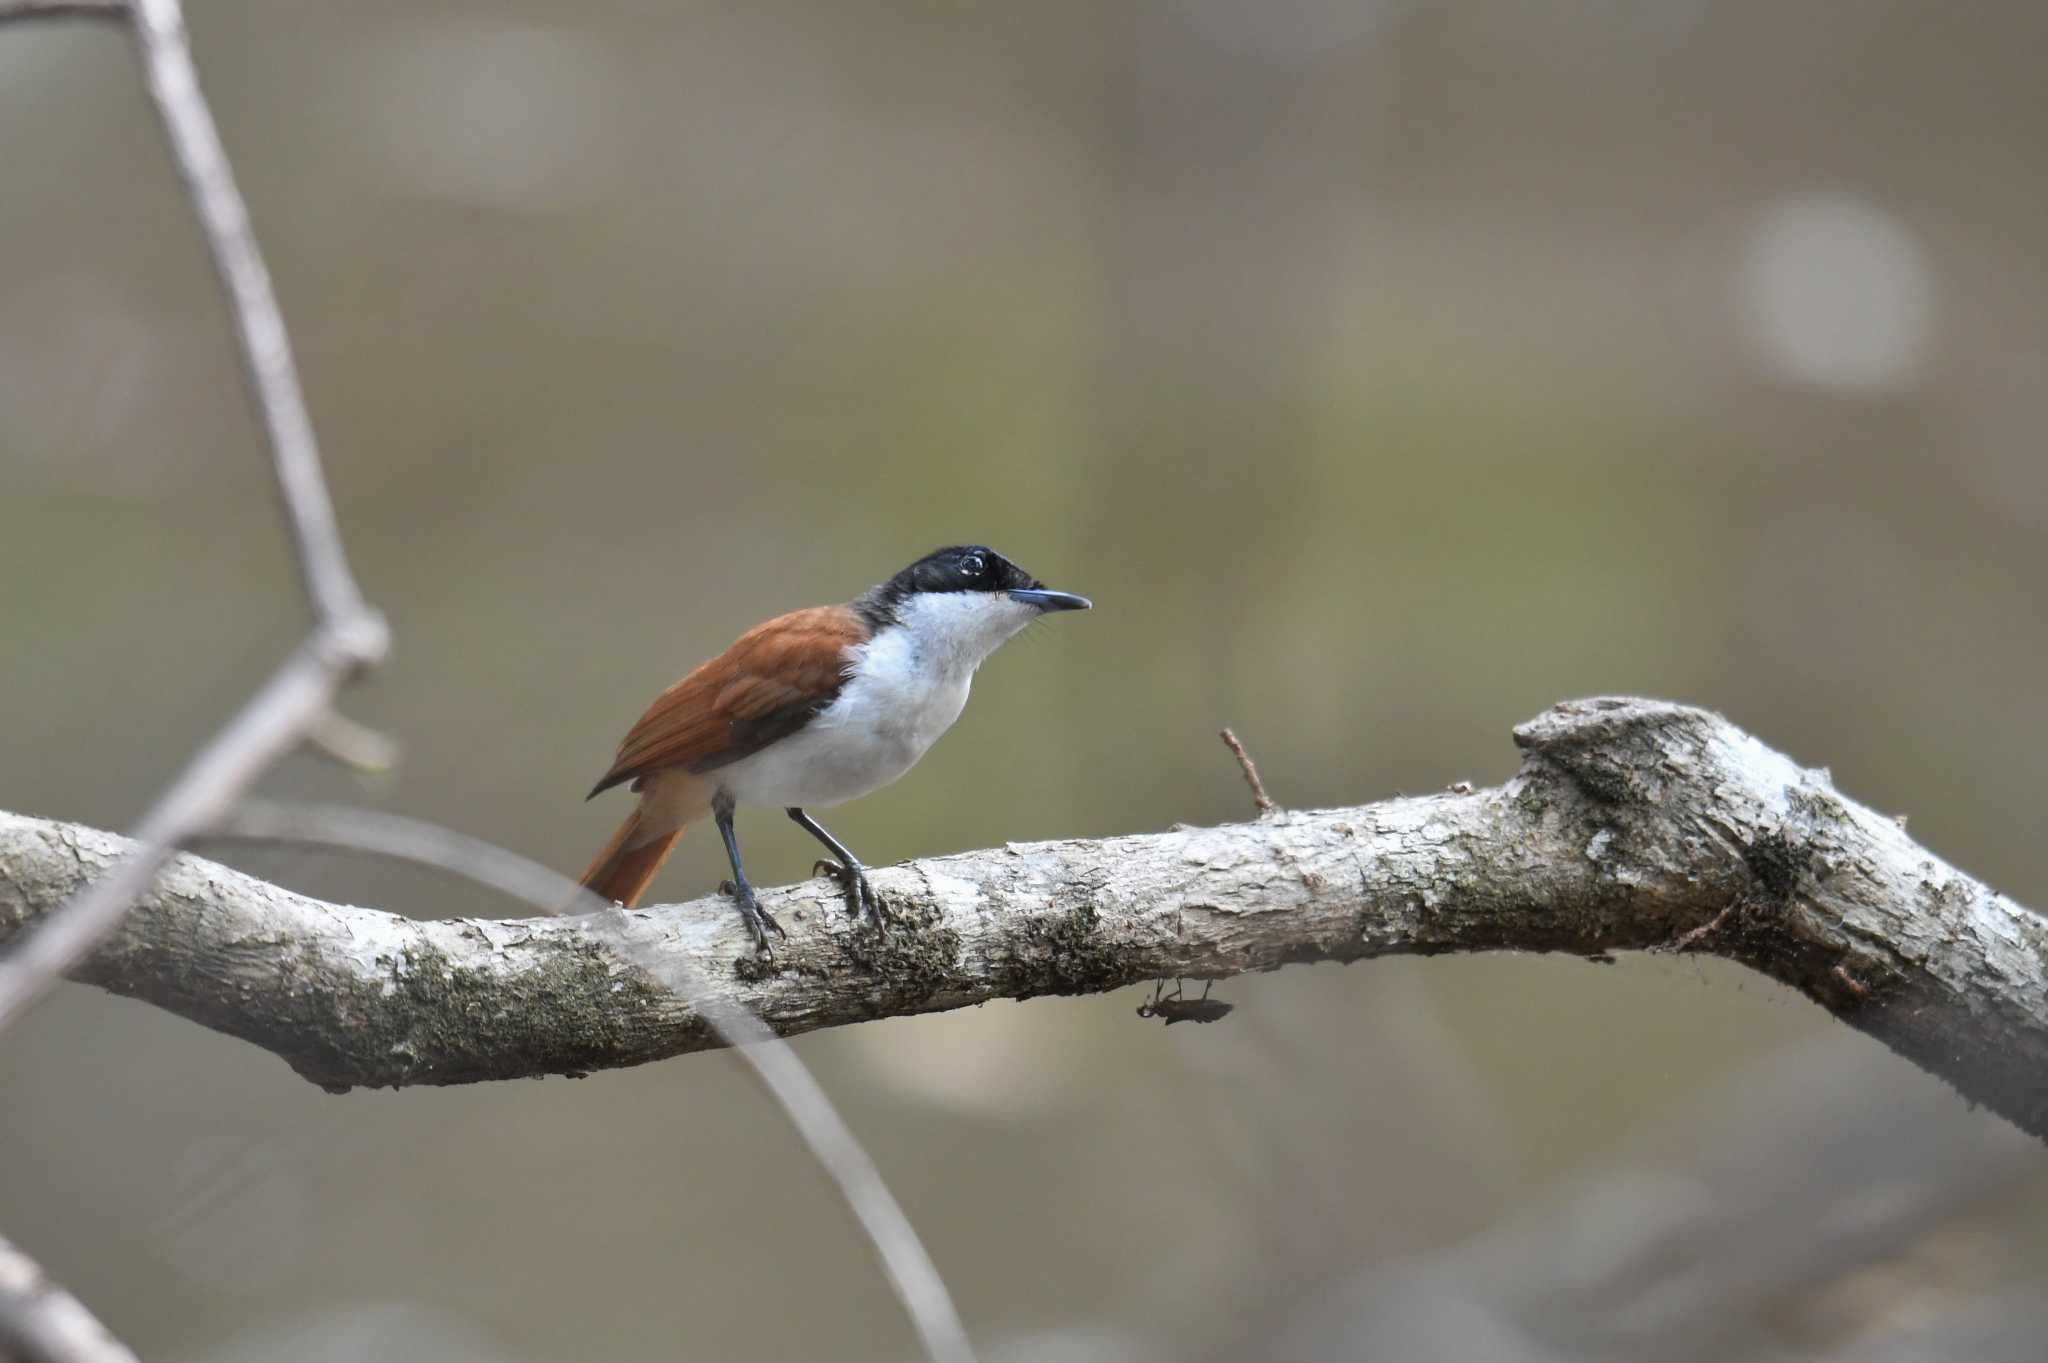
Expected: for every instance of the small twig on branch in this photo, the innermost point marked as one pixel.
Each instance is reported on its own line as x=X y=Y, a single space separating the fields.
x=905 y=1261
x=1251 y=773
x=42 y=1323
x=1692 y=937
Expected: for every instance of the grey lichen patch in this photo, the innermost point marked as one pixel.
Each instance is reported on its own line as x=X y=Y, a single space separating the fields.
x=1777 y=862
x=1533 y=800
x=1608 y=745
x=1750 y=927
x=430 y=1020
x=1558 y=777
x=1604 y=779
x=754 y=968
x=1816 y=801
x=910 y=960
x=1068 y=953
x=1456 y=900
x=2033 y=930
x=1950 y=901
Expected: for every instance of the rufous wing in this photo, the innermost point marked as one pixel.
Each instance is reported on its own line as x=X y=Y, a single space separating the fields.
x=768 y=685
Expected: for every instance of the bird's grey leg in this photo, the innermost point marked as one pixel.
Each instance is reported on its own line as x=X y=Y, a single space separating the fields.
x=757 y=919
x=860 y=895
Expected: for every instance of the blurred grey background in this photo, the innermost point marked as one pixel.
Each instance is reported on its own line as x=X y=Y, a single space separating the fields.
x=1386 y=371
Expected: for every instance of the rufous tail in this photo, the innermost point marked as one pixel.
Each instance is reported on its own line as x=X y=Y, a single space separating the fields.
x=621 y=872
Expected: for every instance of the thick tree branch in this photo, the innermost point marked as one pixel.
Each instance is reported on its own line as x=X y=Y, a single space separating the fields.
x=1631 y=825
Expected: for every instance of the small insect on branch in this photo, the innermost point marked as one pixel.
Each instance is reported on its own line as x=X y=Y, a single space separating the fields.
x=1173 y=1008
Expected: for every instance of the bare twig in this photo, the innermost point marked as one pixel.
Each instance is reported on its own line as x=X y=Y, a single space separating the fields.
x=1251 y=773
x=42 y=1323
x=266 y=349
x=355 y=746
x=1630 y=823
x=1693 y=936
x=62 y=9
x=908 y=1266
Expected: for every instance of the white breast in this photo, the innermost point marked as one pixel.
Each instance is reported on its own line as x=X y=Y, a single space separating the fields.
x=904 y=688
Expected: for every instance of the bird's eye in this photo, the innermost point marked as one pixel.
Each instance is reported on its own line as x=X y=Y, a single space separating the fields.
x=973 y=565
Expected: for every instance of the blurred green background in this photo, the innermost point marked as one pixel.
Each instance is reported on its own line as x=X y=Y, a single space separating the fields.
x=1385 y=371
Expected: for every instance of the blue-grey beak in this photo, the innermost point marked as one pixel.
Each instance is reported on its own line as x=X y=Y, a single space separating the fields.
x=1047 y=600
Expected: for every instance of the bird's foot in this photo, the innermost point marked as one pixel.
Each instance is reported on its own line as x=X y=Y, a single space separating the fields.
x=860 y=894
x=758 y=920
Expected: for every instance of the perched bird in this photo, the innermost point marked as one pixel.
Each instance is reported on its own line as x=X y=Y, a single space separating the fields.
x=814 y=708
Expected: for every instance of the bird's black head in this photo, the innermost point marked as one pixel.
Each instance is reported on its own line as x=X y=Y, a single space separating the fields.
x=963 y=568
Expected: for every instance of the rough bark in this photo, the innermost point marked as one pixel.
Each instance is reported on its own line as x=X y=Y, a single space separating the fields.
x=1631 y=825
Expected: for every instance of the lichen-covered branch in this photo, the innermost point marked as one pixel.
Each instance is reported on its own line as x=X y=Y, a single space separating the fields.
x=1631 y=825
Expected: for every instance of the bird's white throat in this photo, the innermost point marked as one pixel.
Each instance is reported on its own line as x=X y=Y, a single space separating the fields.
x=949 y=633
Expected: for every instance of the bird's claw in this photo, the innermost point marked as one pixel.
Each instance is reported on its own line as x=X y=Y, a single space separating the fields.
x=758 y=920
x=860 y=894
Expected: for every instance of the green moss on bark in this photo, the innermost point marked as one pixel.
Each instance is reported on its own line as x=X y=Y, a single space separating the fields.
x=430 y=1021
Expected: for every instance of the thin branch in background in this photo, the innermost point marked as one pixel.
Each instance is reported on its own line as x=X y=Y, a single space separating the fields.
x=1251 y=773
x=42 y=1323
x=266 y=349
x=356 y=746
x=905 y=1261
x=62 y=9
